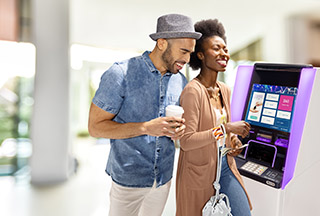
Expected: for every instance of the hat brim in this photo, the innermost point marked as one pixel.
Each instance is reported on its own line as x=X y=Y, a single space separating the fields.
x=194 y=35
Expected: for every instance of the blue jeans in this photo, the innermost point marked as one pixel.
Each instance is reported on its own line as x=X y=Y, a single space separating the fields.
x=232 y=188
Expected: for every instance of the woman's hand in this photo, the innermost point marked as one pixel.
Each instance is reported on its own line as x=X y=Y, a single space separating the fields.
x=241 y=128
x=235 y=143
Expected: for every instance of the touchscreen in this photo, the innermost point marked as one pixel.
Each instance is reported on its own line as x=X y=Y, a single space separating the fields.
x=271 y=106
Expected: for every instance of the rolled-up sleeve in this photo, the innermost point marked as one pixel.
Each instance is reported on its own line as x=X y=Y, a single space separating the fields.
x=110 y=94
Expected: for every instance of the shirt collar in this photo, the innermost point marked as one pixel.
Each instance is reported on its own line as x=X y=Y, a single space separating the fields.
x=148 y=62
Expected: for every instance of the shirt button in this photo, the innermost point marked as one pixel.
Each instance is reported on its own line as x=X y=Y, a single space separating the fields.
x=158 y=150
x=156 y=167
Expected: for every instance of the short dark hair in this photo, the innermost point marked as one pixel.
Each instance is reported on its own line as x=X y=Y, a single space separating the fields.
x=208 y=28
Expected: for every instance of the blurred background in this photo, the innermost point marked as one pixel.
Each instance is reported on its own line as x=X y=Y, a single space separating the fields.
x=52 y=54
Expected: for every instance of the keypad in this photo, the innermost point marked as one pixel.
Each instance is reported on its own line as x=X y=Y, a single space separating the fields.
x=254 y=168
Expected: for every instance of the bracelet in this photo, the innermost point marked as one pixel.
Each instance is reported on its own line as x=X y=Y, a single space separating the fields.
x=224 y=129
x=218 y=132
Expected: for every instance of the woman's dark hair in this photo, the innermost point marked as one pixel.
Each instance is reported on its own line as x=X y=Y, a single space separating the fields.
x=208 y=28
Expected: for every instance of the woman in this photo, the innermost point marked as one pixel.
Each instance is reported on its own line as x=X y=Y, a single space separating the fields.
x=206 y=103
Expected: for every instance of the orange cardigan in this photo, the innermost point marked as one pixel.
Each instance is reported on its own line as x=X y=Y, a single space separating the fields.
x=198 y=152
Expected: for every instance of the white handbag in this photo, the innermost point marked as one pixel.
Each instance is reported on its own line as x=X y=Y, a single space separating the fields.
x=218 y=205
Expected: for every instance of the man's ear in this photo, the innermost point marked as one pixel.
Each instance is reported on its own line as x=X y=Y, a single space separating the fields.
x=162 y=44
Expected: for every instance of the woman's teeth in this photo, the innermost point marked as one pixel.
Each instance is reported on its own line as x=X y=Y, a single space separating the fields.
x=222 y=62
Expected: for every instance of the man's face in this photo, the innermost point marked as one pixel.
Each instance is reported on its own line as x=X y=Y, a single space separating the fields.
x=177 y=53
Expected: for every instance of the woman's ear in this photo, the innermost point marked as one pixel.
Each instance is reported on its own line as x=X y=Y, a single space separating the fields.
x=200 y=55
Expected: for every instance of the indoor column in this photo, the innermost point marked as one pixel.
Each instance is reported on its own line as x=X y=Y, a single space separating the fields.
x=50 y=132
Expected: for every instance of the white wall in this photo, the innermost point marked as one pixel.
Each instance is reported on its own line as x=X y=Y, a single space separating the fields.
x=304 y=40
x=315 y=36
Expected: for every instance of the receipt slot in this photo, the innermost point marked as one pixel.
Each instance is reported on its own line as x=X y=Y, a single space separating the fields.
x=281 y=164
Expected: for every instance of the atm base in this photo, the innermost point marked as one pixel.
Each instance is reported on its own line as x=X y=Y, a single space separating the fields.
x=260 y=173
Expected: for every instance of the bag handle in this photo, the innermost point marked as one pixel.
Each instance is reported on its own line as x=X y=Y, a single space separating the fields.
x=220 y=154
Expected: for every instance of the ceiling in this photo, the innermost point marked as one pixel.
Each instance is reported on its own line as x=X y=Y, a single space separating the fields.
x=122 y=24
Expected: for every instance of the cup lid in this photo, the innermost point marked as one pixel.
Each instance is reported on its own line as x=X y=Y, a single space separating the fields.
x=175 y=108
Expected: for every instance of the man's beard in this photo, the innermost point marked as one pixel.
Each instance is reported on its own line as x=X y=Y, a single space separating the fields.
x=167 y=59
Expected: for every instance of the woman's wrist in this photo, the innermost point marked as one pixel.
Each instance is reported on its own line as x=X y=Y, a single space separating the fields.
x=226 y=126
x=218 y=132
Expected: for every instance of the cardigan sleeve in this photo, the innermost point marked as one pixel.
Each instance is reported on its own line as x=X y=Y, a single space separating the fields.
x=227 y=102
x=193 y=139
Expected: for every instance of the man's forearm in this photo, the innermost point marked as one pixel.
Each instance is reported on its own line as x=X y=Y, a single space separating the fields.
x=114 y=130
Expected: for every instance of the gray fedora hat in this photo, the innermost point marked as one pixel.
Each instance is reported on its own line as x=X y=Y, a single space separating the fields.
x=175 y=26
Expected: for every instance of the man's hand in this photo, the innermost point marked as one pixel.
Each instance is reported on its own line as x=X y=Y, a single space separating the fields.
x=172 y=127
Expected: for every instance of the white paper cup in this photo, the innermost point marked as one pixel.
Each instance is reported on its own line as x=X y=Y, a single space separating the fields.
x=174 y=110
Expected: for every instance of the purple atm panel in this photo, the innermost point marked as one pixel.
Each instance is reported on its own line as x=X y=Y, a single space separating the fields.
x=299 y=117
x=240 y=91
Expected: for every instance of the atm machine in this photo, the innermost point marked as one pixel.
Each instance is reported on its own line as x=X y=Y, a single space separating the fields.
x=281 y=164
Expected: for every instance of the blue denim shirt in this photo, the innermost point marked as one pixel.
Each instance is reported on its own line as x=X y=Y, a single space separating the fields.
x=135 y=91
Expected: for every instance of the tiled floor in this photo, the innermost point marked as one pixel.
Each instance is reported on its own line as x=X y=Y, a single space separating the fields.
x=84 y=194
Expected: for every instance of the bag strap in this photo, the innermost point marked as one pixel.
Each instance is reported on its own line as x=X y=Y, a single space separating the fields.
x=220 y=154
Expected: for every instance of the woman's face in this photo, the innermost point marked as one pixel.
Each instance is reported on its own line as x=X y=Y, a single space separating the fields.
x=214 y=55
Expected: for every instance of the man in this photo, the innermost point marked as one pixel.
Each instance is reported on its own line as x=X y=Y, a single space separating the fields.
x=129 y=108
